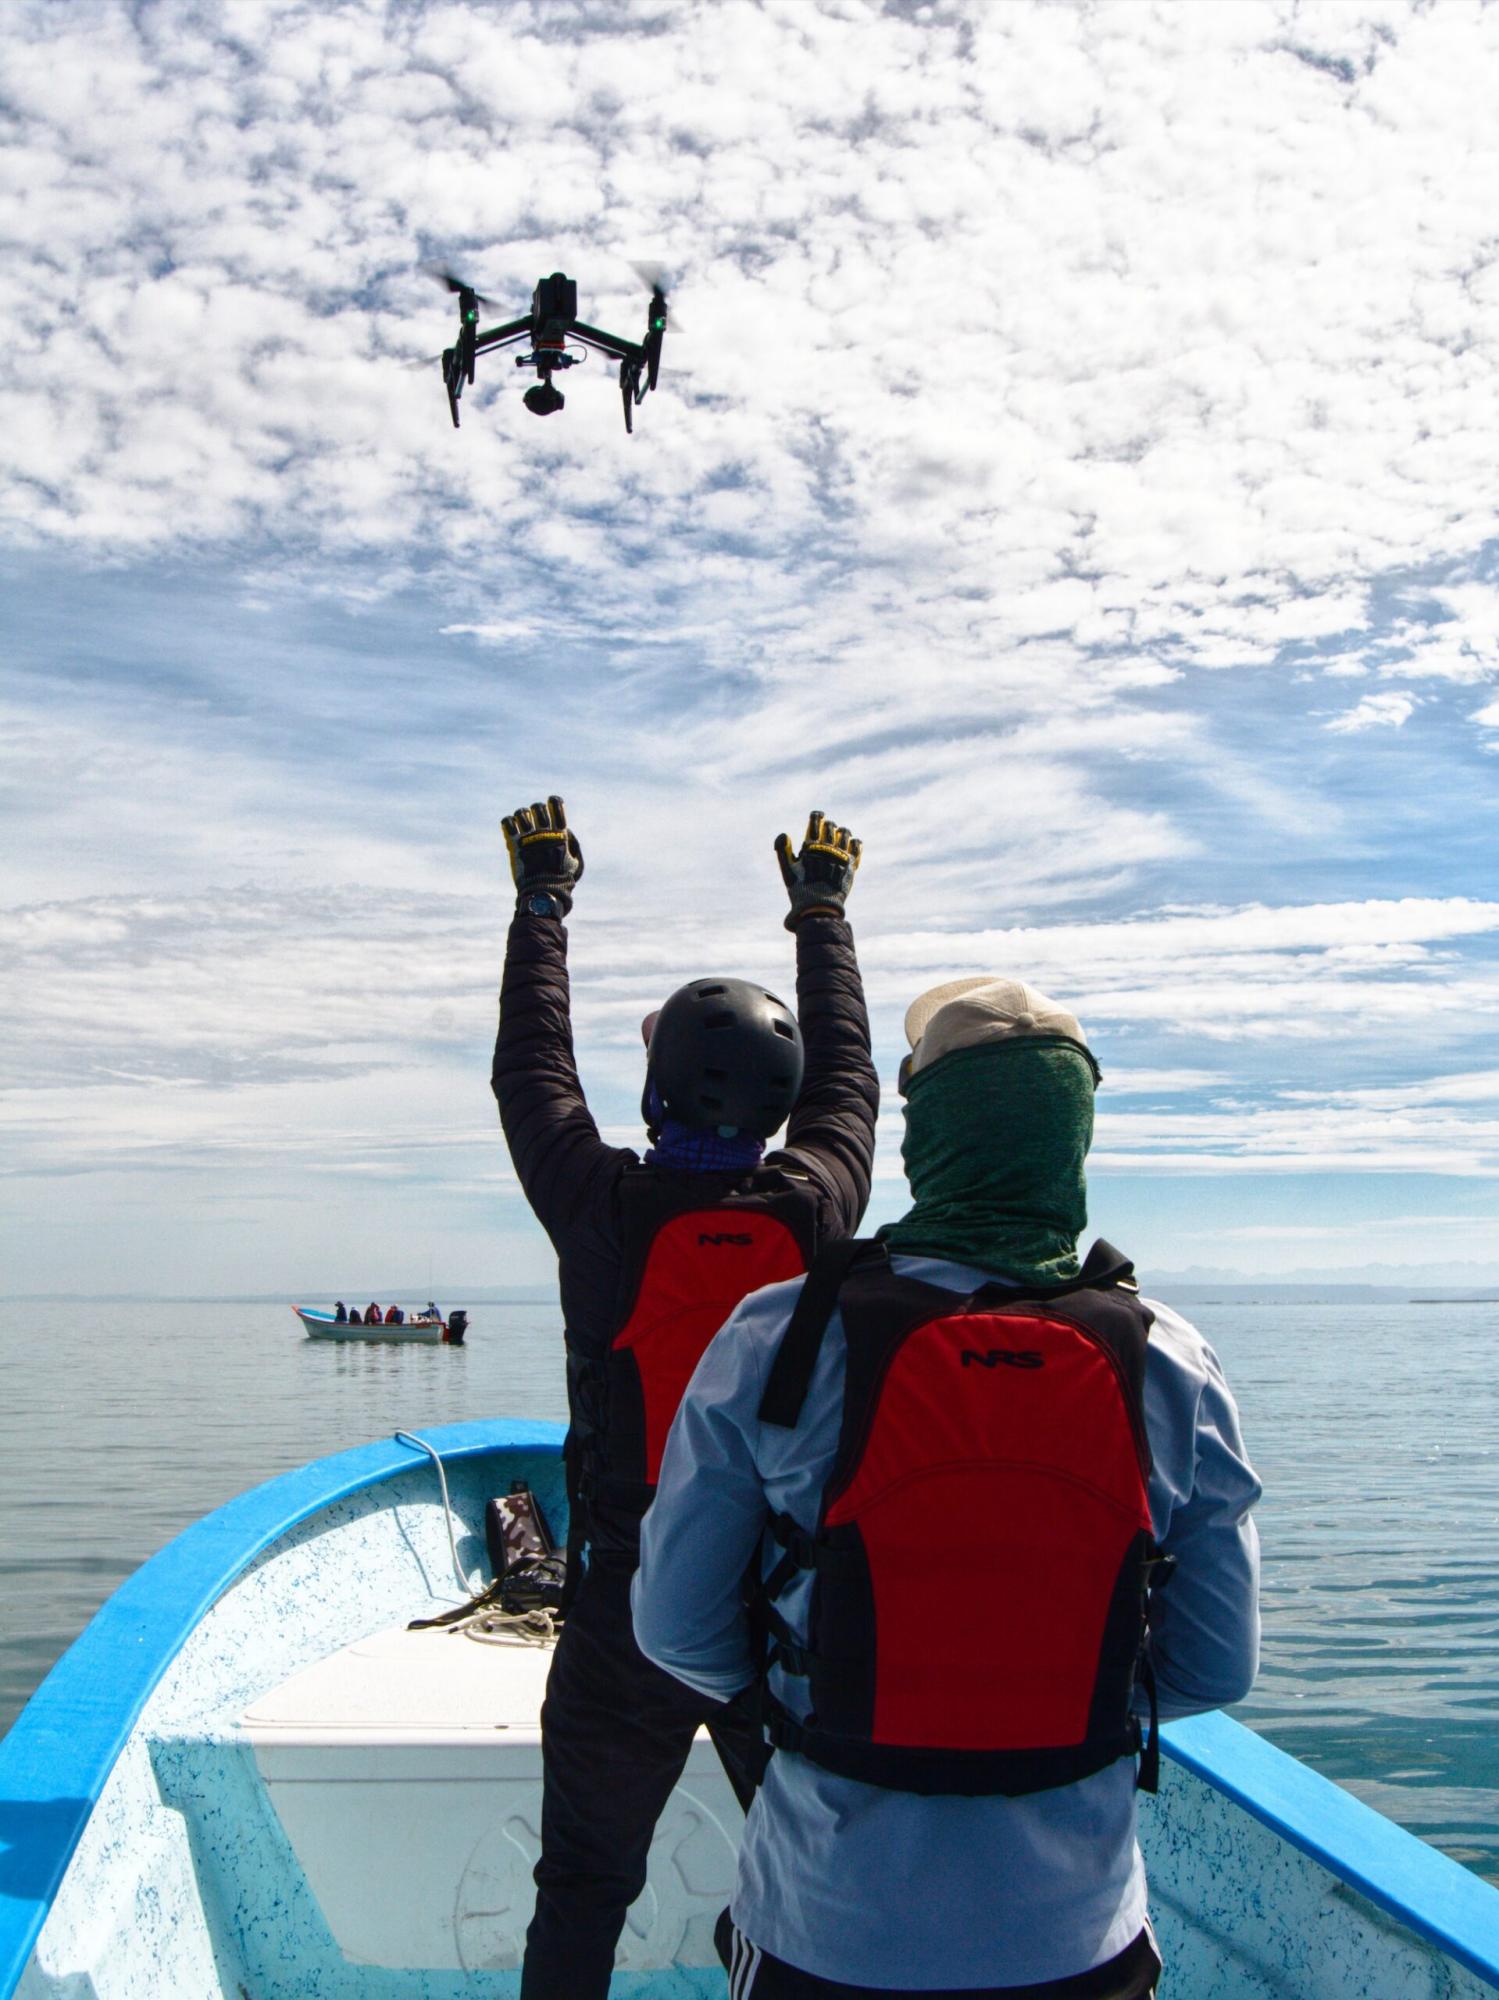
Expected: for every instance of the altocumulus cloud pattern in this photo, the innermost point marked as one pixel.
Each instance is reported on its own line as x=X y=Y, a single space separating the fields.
x=1077 y=467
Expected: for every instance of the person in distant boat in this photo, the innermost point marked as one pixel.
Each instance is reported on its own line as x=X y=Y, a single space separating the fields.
x=372 y=1315
x=964 y=1467
x=394 y=1316
x=653 y=1255
x=341 y=1312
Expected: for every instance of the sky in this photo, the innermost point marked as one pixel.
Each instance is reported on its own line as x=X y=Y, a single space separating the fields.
x=1074 y=468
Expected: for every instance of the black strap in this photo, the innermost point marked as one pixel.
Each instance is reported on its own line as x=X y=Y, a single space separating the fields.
x=958 y=1773
x=1159 y=1570
x=489 y=1595
x=785 y=1648
x=801 y=1343
x=1149 y=1777
x=798 y=1553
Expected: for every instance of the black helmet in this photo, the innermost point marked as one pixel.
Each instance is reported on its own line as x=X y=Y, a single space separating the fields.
x=725 y=1053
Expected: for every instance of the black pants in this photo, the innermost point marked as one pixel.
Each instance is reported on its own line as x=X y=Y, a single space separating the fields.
x=615 y=1733
x=755 y=1975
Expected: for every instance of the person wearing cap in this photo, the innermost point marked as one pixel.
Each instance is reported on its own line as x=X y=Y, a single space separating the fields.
x=972 y=1455
x=653 y=1255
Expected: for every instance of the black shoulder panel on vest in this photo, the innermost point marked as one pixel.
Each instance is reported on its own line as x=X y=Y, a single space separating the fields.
x=801 y=1343
x=791 y=1372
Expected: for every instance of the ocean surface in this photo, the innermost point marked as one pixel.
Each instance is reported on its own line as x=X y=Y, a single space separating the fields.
x=1374 y=1427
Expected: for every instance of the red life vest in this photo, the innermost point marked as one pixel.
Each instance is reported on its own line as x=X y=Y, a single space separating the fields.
x=983 y=1551
x=688 y=1264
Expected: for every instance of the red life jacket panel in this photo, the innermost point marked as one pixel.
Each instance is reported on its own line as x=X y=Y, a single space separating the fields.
x=984 y=1544
x=690 y=1263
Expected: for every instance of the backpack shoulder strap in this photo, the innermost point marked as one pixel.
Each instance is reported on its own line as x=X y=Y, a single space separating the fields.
x=801 y=1343
x=1104 y=1267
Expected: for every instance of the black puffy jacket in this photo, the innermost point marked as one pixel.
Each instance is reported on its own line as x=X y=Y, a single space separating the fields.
x=573 y=1180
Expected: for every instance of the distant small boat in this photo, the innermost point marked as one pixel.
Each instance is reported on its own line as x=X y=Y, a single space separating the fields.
x=416 y=1326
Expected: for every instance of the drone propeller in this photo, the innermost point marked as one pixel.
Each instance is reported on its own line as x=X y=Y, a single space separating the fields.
x=655 y=275
x=442 y=276
x=662 y=282
x=659 y=279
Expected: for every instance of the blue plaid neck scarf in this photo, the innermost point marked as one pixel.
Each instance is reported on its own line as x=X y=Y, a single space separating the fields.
x=693 y=1149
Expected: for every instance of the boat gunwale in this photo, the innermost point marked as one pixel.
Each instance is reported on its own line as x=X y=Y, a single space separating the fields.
x=1433 y=1896
x=70 y=1734
x=61 y=1749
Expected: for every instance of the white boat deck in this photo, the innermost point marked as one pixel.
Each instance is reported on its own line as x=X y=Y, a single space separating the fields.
x=405 y=1772
x=397 y=1686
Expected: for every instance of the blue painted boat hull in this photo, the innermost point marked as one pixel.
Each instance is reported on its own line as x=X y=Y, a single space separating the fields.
x=159 y=1839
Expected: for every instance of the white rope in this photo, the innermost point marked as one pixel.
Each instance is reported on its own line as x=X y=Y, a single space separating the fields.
x=509 y=1628
x=471 y=1588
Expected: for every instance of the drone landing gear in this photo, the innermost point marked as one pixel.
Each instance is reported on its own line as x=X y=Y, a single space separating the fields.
x=630 y=390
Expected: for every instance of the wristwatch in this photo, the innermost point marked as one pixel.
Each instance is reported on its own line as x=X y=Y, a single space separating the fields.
x=542 y=904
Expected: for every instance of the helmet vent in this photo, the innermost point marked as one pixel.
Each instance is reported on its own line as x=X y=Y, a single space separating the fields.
x=716 y=1075
x=722 y=1019
x=706 y=992
x=785 y=1030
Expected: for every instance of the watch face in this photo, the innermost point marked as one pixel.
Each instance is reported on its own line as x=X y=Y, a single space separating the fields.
x=541 y=905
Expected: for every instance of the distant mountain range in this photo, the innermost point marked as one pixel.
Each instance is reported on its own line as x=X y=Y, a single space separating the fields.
x=1444 y=1283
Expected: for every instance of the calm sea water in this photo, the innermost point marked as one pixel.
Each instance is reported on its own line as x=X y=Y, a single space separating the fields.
x=1375 y=1428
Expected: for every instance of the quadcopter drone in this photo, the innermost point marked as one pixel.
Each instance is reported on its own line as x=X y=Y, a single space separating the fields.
x=550 y=328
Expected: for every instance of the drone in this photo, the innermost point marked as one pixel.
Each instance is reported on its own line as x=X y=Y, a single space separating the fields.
x=550 y=328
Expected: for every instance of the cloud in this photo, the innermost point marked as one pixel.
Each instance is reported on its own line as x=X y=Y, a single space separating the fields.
x=1162 y=421
x=1375 y=711
x=1063 y=401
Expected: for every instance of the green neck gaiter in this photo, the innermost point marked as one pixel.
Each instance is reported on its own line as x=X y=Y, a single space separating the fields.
x=995 y=1142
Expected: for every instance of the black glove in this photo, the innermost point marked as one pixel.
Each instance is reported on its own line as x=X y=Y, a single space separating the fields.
x=820 y=877
x=545 y=857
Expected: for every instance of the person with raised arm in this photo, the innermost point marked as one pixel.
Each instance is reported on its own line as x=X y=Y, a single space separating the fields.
x=654 y=1254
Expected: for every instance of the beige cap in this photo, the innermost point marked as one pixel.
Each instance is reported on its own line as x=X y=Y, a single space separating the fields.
x=967 y=1012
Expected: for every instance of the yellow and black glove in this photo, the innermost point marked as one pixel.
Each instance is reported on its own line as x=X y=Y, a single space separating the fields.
x=545 y=857
x=820 y=877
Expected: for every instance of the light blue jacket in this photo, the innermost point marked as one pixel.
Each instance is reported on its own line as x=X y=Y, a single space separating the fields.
x=884 y=1888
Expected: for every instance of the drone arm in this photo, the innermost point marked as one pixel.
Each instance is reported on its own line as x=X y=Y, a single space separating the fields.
x=607 y=343
x=498 y=336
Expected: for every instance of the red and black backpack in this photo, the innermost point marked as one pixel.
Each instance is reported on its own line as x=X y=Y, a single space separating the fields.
x=983 y=1555
x=689 y=1261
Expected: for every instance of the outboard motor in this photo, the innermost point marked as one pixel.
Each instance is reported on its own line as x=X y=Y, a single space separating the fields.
x=457 y=1327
